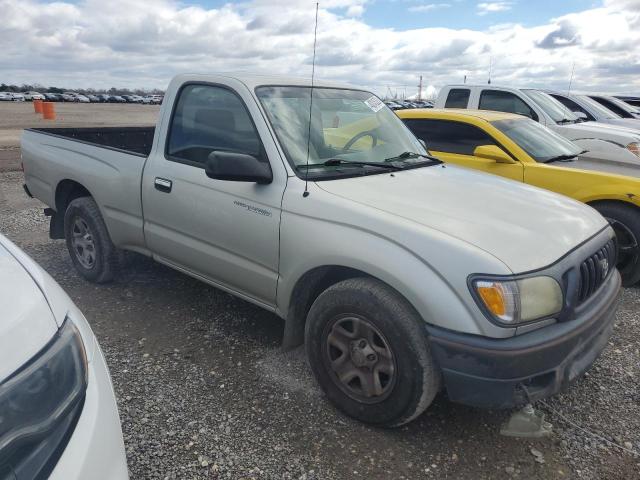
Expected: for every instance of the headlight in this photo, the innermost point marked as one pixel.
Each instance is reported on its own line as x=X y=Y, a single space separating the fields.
x=511 y=302
x=40 y=403
x=634 y=148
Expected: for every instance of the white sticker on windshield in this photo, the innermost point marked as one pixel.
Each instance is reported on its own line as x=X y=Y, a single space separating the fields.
x=374 y=103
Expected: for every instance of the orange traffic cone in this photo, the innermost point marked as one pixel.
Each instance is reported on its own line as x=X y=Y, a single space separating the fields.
x=37 y=106
x=48 y=110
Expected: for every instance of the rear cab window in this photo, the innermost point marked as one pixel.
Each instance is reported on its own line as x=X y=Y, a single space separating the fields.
x=458 y=98
x=501 y=101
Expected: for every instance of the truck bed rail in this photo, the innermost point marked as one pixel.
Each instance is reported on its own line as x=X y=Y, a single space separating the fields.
x=134 y=140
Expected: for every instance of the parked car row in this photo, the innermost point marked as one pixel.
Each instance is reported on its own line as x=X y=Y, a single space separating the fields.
x=80 y=98
x=403 y=104
x=611 y=147
x=11 y=97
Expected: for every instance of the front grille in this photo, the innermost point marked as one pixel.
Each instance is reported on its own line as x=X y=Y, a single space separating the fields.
x=595 y=269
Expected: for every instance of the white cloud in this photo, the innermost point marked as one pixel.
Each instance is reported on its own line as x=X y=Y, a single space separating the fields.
x=427 y=7
x=97 y=43
x=355 y=10
x=492 y=7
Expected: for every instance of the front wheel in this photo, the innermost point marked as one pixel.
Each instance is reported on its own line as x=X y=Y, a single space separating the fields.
x=625 y=221
x=370 y=354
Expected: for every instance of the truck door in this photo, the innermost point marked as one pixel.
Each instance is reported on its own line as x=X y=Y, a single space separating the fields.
x=226 y=232
x=455 y=142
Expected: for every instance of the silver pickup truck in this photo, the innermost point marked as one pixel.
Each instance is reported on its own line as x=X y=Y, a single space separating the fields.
x=400 y=274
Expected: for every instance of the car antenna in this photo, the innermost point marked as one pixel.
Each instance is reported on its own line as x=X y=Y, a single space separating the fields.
x=566 y=107
x=571 y=78
x=313 y=71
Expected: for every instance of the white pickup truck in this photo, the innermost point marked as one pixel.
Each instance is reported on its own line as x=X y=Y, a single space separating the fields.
x=400 y=274
x=606 y=148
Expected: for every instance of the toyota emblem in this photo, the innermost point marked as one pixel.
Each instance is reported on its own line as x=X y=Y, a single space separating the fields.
x=604 y=267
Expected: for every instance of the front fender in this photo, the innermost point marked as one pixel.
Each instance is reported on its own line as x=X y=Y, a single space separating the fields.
x=439 y=295
x=584 y=185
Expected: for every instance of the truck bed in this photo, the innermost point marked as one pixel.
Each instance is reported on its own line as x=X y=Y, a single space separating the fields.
x=108 y=162
x=133 y=140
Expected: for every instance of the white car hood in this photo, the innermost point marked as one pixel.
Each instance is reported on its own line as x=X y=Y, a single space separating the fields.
x=628 y=123
x=27 y=323
x=602 y=131
x=525 y=227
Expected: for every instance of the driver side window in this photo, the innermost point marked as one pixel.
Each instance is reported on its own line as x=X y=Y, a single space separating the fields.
x=208 y=118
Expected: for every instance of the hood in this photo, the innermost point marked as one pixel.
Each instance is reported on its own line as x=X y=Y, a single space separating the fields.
x=27 y=323
x=525 y=227
x=601 y=131
x=628 y=123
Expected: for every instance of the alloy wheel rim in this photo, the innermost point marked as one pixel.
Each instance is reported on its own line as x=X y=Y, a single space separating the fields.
x=359 y=359
x=83 y=244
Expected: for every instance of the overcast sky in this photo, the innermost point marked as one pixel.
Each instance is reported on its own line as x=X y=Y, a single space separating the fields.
x=377 y=44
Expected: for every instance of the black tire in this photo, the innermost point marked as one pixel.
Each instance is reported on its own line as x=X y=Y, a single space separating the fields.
x=625 y=221
x=415 y=379
x=84 y=211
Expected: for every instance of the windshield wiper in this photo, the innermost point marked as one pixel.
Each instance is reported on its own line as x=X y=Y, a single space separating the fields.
x=566 y=120
x=338 y=161
x=564 y=158
x=407 y=155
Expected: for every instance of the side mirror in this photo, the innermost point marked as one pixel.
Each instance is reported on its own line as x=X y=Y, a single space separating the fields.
x=492 y=152
x=237 y=167
x=423 y=143
x=581 y=115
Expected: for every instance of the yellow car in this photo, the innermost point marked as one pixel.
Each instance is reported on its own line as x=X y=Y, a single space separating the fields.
x=518 y=148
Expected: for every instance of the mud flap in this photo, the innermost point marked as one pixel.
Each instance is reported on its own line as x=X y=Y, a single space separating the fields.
x=56 y=223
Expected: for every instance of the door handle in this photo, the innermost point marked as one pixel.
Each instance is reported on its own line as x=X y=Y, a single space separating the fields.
x=163 y=184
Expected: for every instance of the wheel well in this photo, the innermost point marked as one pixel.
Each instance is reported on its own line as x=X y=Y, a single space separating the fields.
x=596 y=203
x=66 y=192
x=305 y=292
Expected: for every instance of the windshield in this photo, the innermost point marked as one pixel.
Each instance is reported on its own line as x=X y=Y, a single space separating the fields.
x=603 y=112
x=621 y=104
x=538 y=141
x=552 y=107
x=349 y=125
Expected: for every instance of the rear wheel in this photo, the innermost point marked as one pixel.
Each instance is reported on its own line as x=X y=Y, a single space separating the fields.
x=625 y=221
x=369 y=352
x=93 y=254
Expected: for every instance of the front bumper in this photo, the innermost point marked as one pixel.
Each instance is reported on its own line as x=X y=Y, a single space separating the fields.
x=490 y=373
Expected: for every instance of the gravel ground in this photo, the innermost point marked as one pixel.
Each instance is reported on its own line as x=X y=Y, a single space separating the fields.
x=205 y=392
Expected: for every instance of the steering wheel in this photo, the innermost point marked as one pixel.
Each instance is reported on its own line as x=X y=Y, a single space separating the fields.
x=367 y=133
